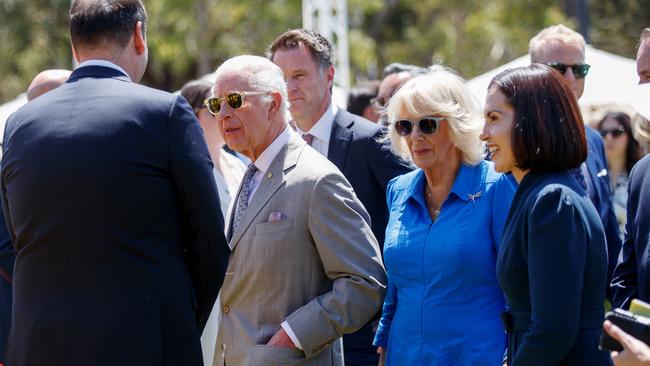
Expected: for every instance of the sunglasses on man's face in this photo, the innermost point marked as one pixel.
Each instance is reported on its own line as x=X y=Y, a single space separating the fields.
x=235 y=100
x=615 y=132
x=579 y=70
x=427 y=125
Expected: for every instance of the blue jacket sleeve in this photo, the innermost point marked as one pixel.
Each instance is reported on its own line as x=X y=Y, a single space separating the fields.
x=556 y=261
x=388 y=310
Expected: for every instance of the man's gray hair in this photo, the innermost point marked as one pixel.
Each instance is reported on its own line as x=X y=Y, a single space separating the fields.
x=262 y=74
x=556 y=33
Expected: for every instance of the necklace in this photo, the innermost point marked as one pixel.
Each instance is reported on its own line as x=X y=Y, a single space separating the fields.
x=434 y=211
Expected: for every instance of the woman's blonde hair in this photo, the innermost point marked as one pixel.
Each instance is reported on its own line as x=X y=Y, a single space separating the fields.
x=441 y=92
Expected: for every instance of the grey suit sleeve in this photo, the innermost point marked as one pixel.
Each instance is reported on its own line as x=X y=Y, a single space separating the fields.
x=350 y=255
x=206 y=248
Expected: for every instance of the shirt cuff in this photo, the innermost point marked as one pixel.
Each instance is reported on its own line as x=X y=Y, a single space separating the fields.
x=291 y=335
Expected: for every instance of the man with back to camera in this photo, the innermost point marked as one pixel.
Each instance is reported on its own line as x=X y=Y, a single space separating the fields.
x=632 y=274
x=305 y=267
x=108 y=192
x=349 y=141
x=564 y=50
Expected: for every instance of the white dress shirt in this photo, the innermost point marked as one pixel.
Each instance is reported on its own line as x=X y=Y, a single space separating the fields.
x=322 y=130
x=103 y=63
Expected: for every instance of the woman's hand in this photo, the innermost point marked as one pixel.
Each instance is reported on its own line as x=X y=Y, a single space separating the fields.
x=382 y=356
x=635 y=352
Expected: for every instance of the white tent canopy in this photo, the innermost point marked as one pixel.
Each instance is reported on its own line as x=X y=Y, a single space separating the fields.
x=610 y=78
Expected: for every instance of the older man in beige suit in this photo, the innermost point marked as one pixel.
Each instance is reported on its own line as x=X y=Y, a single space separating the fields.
x=305 y=267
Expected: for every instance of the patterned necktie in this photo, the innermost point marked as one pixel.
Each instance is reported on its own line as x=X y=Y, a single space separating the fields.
x=309 y=138
x=242 y=199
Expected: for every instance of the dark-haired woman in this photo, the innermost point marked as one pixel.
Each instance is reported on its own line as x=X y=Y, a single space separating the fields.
x=623 y=151
x=552 y=261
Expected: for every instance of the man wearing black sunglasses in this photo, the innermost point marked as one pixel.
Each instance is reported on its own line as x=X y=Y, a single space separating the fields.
x=347 y=140
x=564 y=50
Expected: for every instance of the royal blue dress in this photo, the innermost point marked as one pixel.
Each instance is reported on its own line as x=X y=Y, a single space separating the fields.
x=443 y=303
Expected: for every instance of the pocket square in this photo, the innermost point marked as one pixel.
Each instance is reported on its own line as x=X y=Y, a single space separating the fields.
x=276 y=216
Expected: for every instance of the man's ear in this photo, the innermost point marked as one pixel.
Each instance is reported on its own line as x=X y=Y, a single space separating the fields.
x=274 y=107
x=329 y=74
x=138 y=38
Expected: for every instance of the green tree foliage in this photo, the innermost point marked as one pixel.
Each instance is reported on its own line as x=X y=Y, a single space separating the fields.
x=188 y=38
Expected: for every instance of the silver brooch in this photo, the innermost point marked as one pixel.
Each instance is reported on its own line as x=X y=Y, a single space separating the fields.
x=474 y=196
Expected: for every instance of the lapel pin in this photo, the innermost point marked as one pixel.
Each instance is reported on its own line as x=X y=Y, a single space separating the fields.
x=270 y=175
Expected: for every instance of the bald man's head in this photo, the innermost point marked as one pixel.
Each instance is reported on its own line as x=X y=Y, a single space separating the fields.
x=46 y=81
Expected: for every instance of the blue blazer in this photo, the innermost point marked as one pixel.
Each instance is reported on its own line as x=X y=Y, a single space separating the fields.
x=109 y=196
x=7 y=257
x=600 y=197
x=368 y=165
x=632 y=275
x=552 y=267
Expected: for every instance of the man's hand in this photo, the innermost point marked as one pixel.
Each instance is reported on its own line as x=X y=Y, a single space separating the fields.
x=634 y=353
x=281 y=339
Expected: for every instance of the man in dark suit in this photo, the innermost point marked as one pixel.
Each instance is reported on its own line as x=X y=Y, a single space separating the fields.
x=112 y=209
x=564 y=50
x=7 y=257
x=349 y=141
x=632 y=274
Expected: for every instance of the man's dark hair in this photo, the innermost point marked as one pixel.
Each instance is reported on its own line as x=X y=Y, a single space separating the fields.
x=96 y=22
x=548 y=133
x=319 y=47
x=195 y=92
x=360 y=95
x=396 y=67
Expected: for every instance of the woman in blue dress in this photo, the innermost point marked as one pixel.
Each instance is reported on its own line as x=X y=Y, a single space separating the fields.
x=443 y=302
x=552 y=262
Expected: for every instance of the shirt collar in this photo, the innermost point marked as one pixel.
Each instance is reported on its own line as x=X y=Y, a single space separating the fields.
x=103 y=63
x=323 y=127
x=264 y=161
x=467 y=185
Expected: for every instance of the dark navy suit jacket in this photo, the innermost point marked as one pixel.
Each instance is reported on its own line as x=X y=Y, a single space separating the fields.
x=600 y=197
x=552 y=268
x=368 y=165
x=7 y=257
x=632 y=275
x=113 y=211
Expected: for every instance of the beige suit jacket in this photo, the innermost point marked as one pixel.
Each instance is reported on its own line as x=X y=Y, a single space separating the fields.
x=319 y=268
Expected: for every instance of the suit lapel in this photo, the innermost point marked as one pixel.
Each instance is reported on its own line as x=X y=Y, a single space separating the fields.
x=340 y=139
x=273 y=179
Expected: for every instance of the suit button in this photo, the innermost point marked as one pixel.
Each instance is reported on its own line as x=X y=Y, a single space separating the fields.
x=226 y=309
